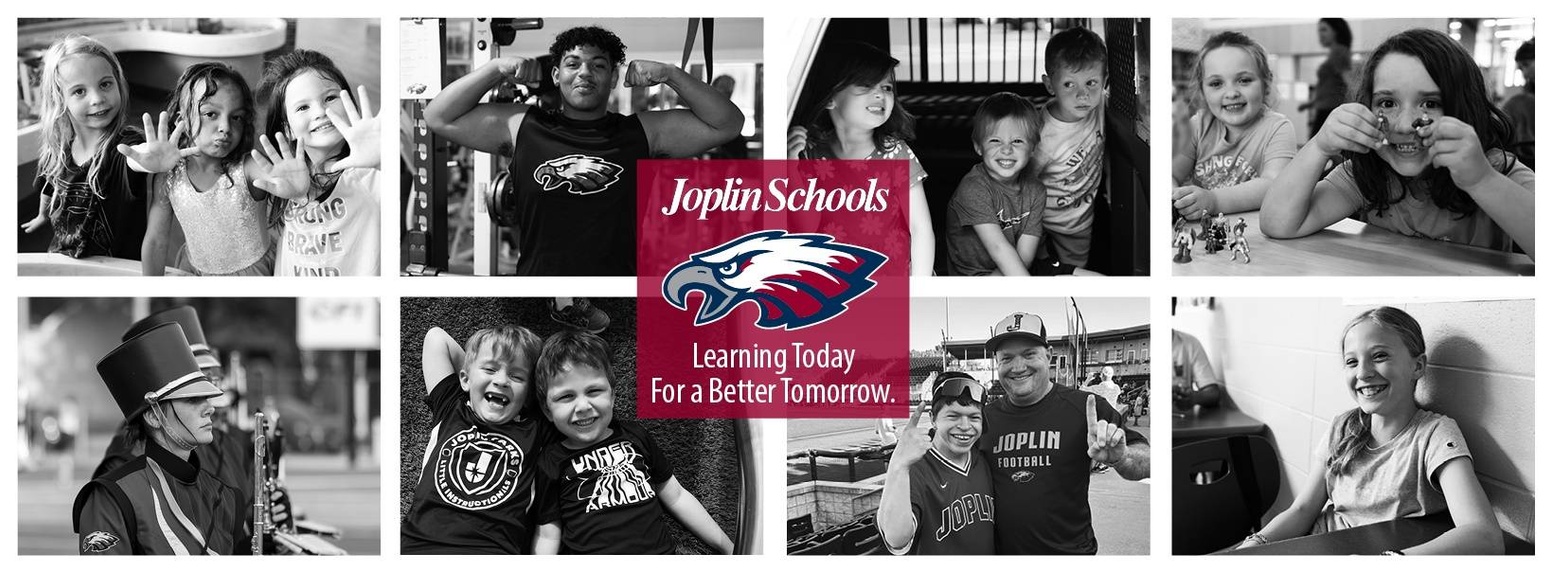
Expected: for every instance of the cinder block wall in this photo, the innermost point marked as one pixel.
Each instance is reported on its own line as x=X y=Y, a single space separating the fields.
x=1281 y=361
x=704 y=452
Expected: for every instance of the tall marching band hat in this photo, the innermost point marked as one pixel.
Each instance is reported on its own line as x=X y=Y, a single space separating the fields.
x=1017 y=325
x=188 y=319
x=154 y=366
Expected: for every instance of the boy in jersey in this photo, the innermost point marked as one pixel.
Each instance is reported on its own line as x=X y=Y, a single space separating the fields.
x=1042 y=439
x=937 y=497
x=476 y=485
x=575 y=168
x=604 y=488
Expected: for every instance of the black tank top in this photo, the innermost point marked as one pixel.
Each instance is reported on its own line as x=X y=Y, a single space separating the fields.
x=576 y=193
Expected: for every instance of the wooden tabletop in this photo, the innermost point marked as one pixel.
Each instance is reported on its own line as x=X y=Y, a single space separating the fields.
x=1207 y=422
x=1367 y=539
x=1349 y=248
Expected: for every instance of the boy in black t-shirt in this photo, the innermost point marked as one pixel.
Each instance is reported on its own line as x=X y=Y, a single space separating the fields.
x=476 y=484
x=603 y=488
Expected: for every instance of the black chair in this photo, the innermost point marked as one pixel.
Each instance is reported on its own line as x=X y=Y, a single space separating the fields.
x=1222 y=487
x=862 y=538
x=824 y=543
x=799 y=527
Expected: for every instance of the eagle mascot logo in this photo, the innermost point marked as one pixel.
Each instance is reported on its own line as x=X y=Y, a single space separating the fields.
x=796 y=280
x=578 y=174
x=99 y=541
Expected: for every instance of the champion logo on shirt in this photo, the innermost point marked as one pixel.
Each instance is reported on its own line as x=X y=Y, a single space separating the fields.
x=477 y=470
x=577 y=174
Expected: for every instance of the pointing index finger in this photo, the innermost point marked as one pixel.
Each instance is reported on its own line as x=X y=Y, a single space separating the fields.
x=1093 y=417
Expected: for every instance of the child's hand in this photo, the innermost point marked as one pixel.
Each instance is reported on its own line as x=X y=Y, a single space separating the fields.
x=522 y=70
x=281 y=171
x=33 y=225
x=647 y=73
x=1192 y=202
x=361 y=132
x=1351 y=127
x=159 y=153
x=796 y=142
x=1452 y=144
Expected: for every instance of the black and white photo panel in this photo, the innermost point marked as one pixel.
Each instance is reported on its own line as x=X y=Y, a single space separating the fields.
x=199 y=146
x=1027 y=138
x=1377 y=425
x=522 y=135
x=1028 y=433
x=191 y=426
x=520 y=435
x=1361 y=147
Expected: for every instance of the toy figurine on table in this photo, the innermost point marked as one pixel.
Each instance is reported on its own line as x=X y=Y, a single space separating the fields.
x=1182 y=241
x=1239 y=245
x=1238 y=227
x=1217 y=235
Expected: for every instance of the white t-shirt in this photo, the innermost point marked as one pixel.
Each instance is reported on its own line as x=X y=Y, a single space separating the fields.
x=1398 y=479
x=1070 y=159
x=338 y=235
x=1220 y=163
x=1417 y=215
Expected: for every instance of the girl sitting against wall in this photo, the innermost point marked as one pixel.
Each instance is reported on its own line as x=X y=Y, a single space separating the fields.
x=1389 y=458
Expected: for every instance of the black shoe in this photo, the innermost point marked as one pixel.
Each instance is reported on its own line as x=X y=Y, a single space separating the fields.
x=581 y=314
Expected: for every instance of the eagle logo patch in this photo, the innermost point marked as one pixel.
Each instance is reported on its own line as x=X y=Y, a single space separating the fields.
x=578 y=174
x=796 y=280
x=98 y=541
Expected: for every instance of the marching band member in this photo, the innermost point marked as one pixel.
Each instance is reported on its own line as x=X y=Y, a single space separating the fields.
x=161 y=502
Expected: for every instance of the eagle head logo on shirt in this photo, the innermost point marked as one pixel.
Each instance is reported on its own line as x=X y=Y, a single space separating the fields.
x=796 y=280
x=578 y=174
x=99 y=541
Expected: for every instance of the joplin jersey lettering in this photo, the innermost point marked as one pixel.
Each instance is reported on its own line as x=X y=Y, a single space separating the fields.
x=1038 y=457
x=476 y=482
x=604 y=496
x=576 y=192
x=954 y=507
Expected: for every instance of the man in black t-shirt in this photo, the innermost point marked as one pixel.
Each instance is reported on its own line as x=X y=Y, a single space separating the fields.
x=1040 y=441
x=574 y=169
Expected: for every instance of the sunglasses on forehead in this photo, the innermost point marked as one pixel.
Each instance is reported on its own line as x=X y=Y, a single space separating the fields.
x=954 y=384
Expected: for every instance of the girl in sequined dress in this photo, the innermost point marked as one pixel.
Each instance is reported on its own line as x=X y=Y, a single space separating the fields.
x=202 y=180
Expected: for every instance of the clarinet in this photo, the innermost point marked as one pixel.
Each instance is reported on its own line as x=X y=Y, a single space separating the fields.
x=260 y=498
